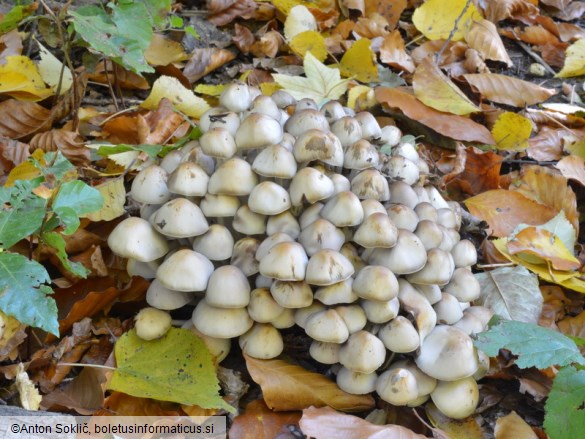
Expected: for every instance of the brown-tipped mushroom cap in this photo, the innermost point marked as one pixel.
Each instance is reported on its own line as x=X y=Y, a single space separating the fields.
x=320 y=235
x=270 y=242
x=285 y=261
x=179 y=218
x=262 y=341
x=448 y=310
x=237 y=97
x=216 y=244
x=370 y=128
x=189 y=179
x=464 y=253
x=309 y=185
x=437 y=270
x=397 y=386
x=463 y=285
x=429 y=233
x=275 y=161
x=353 y=316
x=327 y=267
x=221 y=322
x=262 y=307
x=363 y=352
x=228 y=287
x=257 y=131
x=347 y=129
x=344 y=209
x=317 y=145
x=375 y=282
x=399 y=168
x=407 y=256
x=326 y=326
x=303 y=120
x=302 y=314
x=219 y=206
x=136 y=238
x=248 y=222
x=324 y=353
x=243 y=255
x=361 y=155
x=218 y=142
x=380 y=312
x=284 y=222
x=233 y=177
x=340 y=292
x=268 y=198
x=377 y=230
x=399 y=335
x=403 y=216
x=150 y=186
x=402 y=193
x=370 y=184
x=291 y=294
x=185 y=270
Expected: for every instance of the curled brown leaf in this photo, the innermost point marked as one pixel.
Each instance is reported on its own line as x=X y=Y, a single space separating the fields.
x=204 y=61
x=393 y=53
x=222 y=12
x=21 y=119
x=70 y=143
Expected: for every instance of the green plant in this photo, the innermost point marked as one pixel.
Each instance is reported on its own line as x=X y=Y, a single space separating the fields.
x=540 y=347
x=42 y=209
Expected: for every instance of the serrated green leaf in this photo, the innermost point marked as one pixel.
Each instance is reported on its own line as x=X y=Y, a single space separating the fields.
x=56 y=241
x=158 y=11
x=55 y=165
x=564 y=410
x=108 y=150
x=80 y=197
x=24 y=293
x=321 y=82
x=66 y=217
x=22 y=212
x=534 y=345
x=184 y=371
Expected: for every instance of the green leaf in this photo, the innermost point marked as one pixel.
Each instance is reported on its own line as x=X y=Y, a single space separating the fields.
x=80 y=197
x=176 y=21
x=56 y=241
x=22 y=212
x=56 y=166
x=564 y=410
x=158 y=11
x=184 y=371
x=13 y=17
x=534 y=345
x=67 y=217
x=151 y=150
x=23 y=293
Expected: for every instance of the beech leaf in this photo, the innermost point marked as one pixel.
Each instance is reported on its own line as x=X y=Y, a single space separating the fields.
x=290 y=387
x=21 y=80
x=483 y=36
x=436 y=21
x=359 y=62
x=114 y=196
x=512 y=131
x=511 y=292
x=182 y=98
x=564 y=406
x=573 y=168
x=574 y=60
x=513 y=426
x=321 y=82
x=259 y=422
x=309 y=41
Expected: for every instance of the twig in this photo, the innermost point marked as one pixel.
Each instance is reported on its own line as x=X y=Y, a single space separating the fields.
x=488 y=266
x=452 y=34
x=536 y=57
x=97 y=366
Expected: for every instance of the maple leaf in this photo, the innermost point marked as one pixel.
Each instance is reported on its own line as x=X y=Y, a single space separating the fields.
x=321 y=82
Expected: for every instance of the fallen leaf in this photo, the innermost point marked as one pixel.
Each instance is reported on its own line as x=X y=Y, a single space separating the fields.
x=507 y=90
x=481 y=172
x=453 y=53
x=503 y=9
x=573 y=326
x=359 y=62
x=163 y=51
x=289 y=387
x=321 y=82
x=436 y=22
x=243 y=38
x=450 y=125
x=371 y=27
x=573 y=168
x=299 y=20
x=436 y=90
x=513 y=426
x=21 y=80
x=309 y=41
x=222 y=12
x=511 y=292
x=267 y=45
x=206 y=60
x=182 y=98
x=467 y=428
x=108 y=72
x=70 y=143
x=326 y=423
x=483 y=36
x=534 y=35
x=84 y=393
x=259 y=422
x=390 y=10
x=504 y=210
x=53 y=72
x=10 y=45
x=574 y=60
x=12 y=153
x=30 y=398
x=512 y=131
x=114 y=195
x=21 y=119
x=121 y=404
x=393 y=53
x=548 y=144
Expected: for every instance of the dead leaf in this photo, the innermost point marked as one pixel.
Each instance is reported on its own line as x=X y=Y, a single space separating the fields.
x=204 y=61
x=435 y=21
x=259 y=422
x=70 y=143
x=547 y=145
x=502 y=9
x=450 y=125
x=573 y=11
x=21 y=80
x=120 y=404
x=483 y=37
x=12 y=153
x=513 y=426
x=570 y=32
x=163 y=51
x=309 y=41
x=505 y=210
x=183 y=99
x=507 y=90
x=454 y=52
x=30 y=397
x=480 y=174
x=535 y=35
x=391 y=10
x=512 y=131
x=267 y=45
x=393 y=53
x=572 y=167
x=467 y=428
x=289 y=387
x=83 y=394
x=436 y=90
x=574 y=60
x=359 y=62
x=326 y=423
x=574 y=326
x=108 y=72
x=22 y=119
x=243 y=38
x=474 y=62
x=10 y=45
x=222 y=12
x=372 y=26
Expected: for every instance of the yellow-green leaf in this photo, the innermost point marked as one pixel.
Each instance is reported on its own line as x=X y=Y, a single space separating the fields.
x=435 y=19
x=574 y=60
x=184 y=371
x=21 y=80
x=512 y=131
x=359 y=62
x=182 y=98
x=114 y=195
x=309 y=41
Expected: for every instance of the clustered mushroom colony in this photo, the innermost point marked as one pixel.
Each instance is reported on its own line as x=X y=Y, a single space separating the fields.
x=283 y=213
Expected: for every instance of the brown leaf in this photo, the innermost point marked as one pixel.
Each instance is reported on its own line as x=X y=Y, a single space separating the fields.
x=547 y=145
x=505 y=210
x=536 y=35
x=108 y=72
x=222 y=12
x=10 y=45
x=163 y=51
x=554 y=54
x=572 y=167
x=574 y=326
x=289 y=387
x=164 y=123
x=204 y=61
x=507 y=90
x=569 y=32
x=454 y=52
x=354 y=8
x=481 y=172
x=513 y=426
x=474 y=62
x=447 y=427
x=22 y=119
x=259 y=422
x=483 y=37
x=12 y=153
x=372 y=26
x=92 y=259
x=267 y=45
x=573 y=11
x=326 y=423
x=450 y=125
x=70 y=143
x=497 y=10
x=389 y=9
x=120 y=404
x=243 y=38
x=83 y=394
x=393 y=53
x=549 y=188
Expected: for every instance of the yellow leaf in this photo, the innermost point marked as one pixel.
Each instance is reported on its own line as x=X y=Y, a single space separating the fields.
x=26 y=170
x=30 y=398
x=162 y=51
x=43 y=191
x=356 y=93
x=209 y=89
x=435 y=89
x=285 y=6
x=512 y=131
x=359 y=62
x=114 y=195
x=298 y=20
x=574 y=60
x=435 y=19
x=513 y=426
x=20 y=79
x=182 y=98
x=268 y=88
x=309 y=41
x=50 y=69
x=10 y=326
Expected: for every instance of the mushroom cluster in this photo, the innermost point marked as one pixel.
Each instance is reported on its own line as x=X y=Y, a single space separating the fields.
x=283 y=213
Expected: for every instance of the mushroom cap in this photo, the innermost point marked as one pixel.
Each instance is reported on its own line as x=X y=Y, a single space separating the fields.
x=332 y=110
x=147 y=270
x=456 y=399
x=150 y=186
x=218 y=347
x=268 y=198
x=326 y=326
x=270 y=242
x=304 y=120
x=216 y=244
x=286 y=319
x=324 y=353
x=319 y=235
x=258 y=130
x=302 y=314
x=327 y=267
x=310 y=185
x=372 y=206
x=262 y=307
x=171 y=161
x=431 y=292
x=403 y=193
x=447 y=354
x=188 y=179
x=185 y=270
x=425 y=383
x=265 y=105
x=179 y=218
x=401 y=169
x=285 y=261
x=275 y=161
x=218 y=142
x=228 y=287
x=233 y=177
x=375 y=282
x=448 y=310
x=363 y=352
x=369 y=183
x=353 y=316
x=356 y=383
x=370 y=127
x=347 y=129
x=464 y=253
x=221 y=322
x=248 y=222
x=262 y=341
x=136 y=238
x=291 y=294
x=317 y=145
x=418 y=306
x=397 y=386
x=237 y=96
x=399 y=335
x=380 y=311
x=284 y=222
x=243 y=255
x=429 y=233
x=343 y=209
x=310 y=214
x=219 y=206
x=377 y=230
x=407 y=256
x=390 y=135
x=340 y=292
x=160 y=297
x=403 y=216
x=463 y=285
x=152 y=323
x=426 y=211
x=361 y=155
x=283 y=99
x=438 y=269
